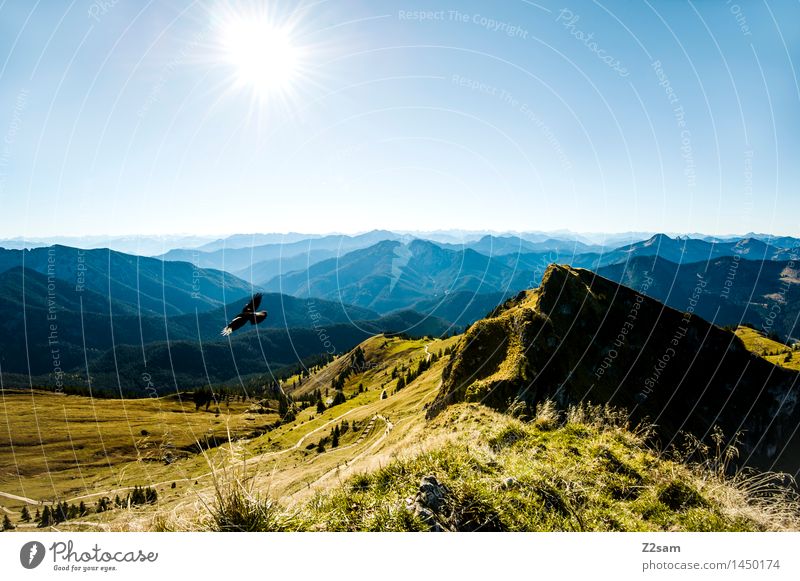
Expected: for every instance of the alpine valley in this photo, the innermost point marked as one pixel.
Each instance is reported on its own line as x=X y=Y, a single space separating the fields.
x=403 y=381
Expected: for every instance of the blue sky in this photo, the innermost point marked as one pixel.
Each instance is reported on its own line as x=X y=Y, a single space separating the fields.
x=131 y=118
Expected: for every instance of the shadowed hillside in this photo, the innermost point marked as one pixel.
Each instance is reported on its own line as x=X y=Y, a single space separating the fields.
x=580 y=337
x=54 y=336
x=149 y=285
x=763 y=293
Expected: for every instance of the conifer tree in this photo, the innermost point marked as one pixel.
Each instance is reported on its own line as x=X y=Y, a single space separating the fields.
x=320 y=404
x=339 y=398
x=46 y=519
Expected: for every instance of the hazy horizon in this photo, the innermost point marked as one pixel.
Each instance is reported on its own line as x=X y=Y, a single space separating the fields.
x=400 y=231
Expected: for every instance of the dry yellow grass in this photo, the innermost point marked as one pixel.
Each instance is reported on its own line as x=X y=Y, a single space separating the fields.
x=62 y=447
x=283 y=462
x=771 y=350
x=274 y=477
x=580 y=470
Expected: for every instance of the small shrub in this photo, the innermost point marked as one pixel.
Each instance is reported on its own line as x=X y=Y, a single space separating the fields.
x=678 y=495
x=237 y=510
x=547 y=416
x=507 y=436
x=360 y=482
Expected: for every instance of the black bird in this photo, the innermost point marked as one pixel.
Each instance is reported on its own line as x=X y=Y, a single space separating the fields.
x=249 y=313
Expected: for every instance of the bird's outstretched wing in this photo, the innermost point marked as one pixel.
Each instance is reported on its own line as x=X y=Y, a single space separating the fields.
x=237 y=322
x=253 y=305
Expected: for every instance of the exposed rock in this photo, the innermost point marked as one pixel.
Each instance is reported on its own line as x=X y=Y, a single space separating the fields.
x=432 y=494
x=436 y=506
x=430 y=504
x=509 y=483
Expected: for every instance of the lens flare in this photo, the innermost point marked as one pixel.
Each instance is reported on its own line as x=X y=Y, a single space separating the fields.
x=263 y=55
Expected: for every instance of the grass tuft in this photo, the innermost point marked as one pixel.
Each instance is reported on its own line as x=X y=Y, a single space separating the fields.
x=239 y=510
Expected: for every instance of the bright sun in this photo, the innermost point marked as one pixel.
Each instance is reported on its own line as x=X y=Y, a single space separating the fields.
x=262 y=54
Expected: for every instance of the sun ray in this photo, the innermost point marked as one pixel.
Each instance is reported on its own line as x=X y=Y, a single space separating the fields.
x=262 y=51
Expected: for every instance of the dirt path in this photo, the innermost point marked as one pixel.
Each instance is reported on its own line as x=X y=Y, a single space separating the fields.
x=127 y=488
x=339 y=469
x=19 y=498
x=304 y=437
x=363 y=436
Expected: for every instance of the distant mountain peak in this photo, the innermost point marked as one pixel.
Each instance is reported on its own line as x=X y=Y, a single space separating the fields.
x=659 y=239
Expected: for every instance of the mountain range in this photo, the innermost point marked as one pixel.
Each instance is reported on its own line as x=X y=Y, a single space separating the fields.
x=734 y=291
x=150 y=285
x=287 y=265
x=116 y=313
x=61 y=332
x=244 y=259
x=685 y=250
x=441 y=278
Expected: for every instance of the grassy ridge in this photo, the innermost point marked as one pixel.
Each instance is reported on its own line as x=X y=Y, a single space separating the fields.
x=580 y=337
x=773 y=351
x=583 y=471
